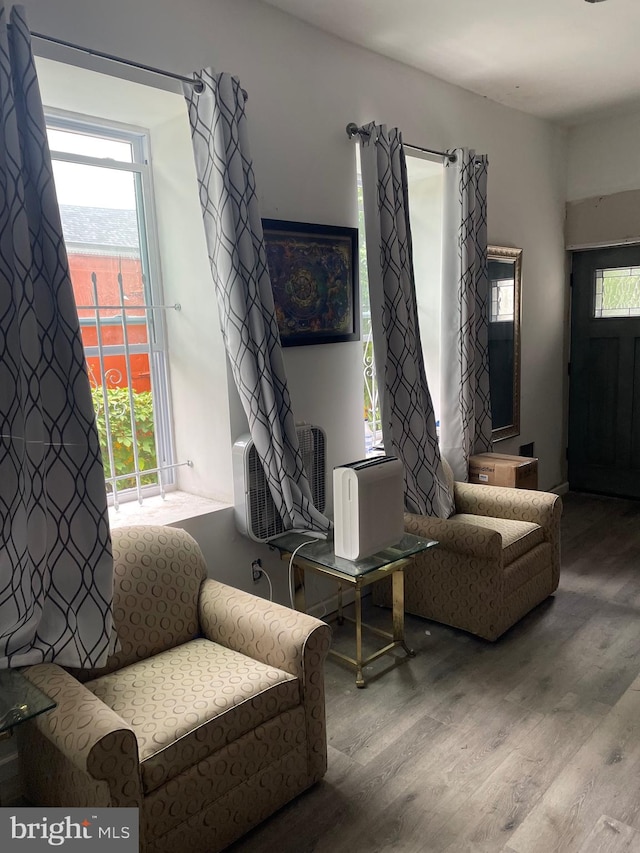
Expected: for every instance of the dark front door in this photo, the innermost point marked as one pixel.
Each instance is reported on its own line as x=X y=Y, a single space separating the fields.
x=604 y=400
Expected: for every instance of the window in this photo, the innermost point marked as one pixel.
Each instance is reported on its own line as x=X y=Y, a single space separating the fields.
x=617 y=292
x=502 y=291
x=104 y=193
x=372 y=422
x=425 y=176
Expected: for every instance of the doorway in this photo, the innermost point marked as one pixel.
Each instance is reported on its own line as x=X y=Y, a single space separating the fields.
x=604 y=396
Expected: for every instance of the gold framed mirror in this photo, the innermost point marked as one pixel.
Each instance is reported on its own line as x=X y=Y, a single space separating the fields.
x=505 y=283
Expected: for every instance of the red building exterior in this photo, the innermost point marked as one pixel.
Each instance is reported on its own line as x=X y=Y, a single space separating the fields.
x=103 y=245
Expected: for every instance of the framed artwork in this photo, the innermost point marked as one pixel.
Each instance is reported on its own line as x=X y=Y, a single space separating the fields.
x=314 y=276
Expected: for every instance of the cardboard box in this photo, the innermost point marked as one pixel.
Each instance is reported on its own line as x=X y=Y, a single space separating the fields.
x=500 y=469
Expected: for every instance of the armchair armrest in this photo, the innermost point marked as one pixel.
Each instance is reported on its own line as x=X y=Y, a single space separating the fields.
x=263 y=630
x=89 y=734
x=280 y=637
x=457 y=537
x=542 y=508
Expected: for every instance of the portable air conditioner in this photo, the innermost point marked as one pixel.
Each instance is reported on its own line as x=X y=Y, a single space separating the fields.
x=255 y=511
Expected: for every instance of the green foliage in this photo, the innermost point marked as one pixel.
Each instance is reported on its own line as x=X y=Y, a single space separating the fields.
x=122 y=436
x=365 y=309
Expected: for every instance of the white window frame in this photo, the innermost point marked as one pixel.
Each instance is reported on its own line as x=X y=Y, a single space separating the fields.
x=156 y=347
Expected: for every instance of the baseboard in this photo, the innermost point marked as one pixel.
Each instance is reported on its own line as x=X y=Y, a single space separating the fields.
x=562 y=489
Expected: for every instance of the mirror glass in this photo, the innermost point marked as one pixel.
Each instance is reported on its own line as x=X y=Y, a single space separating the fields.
x=505 y=267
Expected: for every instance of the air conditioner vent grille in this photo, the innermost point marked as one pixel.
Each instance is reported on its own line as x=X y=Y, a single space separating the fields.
x=256 y=513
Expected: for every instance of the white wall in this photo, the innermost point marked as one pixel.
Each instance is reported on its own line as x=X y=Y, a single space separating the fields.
x=304 y=86
x=604 y=156
x=603 y=182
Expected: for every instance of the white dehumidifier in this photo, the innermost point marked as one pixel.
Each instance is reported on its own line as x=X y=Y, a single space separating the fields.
x=368 y=506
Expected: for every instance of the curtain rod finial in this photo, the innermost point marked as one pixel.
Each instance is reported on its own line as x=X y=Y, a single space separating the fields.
x=352 y=129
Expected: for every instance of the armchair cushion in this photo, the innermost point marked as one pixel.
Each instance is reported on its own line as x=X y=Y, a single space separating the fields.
x=518 y=537
x=188 y=702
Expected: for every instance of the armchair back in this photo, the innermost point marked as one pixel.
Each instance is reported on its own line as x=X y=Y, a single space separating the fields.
x=158 y=572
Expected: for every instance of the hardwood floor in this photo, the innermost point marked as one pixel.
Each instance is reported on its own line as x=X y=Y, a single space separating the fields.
x=527 y=745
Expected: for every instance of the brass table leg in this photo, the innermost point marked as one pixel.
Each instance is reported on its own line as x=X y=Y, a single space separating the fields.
x=340 y=616
x=398 y=611
x=300 y=592
x=358 y=603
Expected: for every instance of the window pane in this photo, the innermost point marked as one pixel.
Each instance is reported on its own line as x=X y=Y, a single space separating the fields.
x=70 y=142
x=94 y=186
x=103 y=227
x=617 y=292
x=372 y=422
x=125 y=397
x=502 y=301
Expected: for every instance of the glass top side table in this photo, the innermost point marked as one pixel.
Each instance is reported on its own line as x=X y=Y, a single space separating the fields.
x=20 y=700
x=317 y=555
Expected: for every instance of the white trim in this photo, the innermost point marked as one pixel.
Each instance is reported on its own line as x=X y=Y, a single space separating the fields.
x=606 y=244
x=99 y=162
x=175 y=507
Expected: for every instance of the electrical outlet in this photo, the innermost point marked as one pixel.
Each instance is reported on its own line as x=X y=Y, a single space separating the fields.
x=256 y=570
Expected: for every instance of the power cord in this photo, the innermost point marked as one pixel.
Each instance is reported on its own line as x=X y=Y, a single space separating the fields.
x=291 y=559
x=257 y=572
x=270 y=584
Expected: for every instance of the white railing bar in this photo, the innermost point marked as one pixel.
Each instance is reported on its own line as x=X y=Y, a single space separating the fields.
x=176 y=307
x=131 y=475
x=105 y=398
x=371 y=383
x=116 y=349
x=132 y=404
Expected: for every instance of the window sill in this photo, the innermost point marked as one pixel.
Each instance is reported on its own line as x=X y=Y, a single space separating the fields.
x=174 y=508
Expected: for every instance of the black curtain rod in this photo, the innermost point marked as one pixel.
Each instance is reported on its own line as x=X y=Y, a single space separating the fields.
x=353 y=130
x=195 y=82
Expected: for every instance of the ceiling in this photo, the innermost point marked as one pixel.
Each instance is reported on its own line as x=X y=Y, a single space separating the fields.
x=563 y=60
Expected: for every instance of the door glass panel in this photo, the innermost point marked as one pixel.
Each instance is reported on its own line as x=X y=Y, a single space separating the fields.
x=617 y=292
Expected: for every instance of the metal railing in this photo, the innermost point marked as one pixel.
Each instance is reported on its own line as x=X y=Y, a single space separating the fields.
x=110 y=377
x=373 y=422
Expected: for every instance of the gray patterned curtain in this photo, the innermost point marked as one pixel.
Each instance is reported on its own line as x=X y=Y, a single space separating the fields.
x=56 y=570
x=408 y=419
x=245 y=299
x=465 y=418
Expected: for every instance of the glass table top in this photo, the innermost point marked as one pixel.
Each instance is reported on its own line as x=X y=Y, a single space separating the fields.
x=20 y=700
x=320 y=551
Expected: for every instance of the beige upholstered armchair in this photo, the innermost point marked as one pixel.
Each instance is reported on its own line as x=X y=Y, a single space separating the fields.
x=498 y=557
x=208 y=718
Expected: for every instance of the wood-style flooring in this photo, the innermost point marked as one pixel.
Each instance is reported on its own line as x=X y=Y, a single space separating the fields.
x=527 y=745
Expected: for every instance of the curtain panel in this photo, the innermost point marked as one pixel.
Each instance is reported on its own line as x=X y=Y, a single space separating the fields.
x=408 y=419
x=235 y=241
x=465 y=419
x=56 y=570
